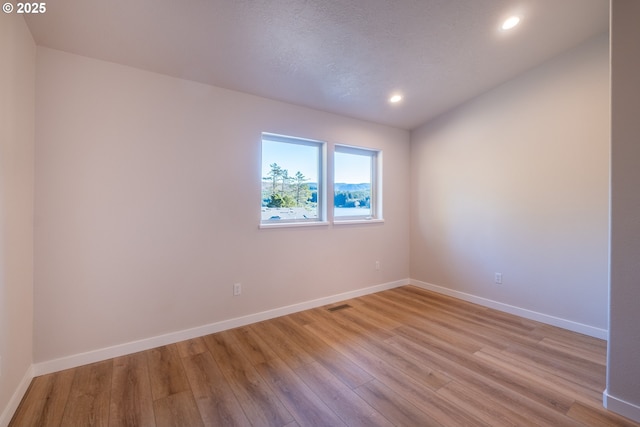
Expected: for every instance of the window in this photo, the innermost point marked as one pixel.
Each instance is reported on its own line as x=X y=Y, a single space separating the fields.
x=356 y=189
x=292 y=181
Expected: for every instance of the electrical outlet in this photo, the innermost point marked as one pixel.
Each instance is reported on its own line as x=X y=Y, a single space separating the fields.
x=377 y=265
x=237 y=289
x=498 y=278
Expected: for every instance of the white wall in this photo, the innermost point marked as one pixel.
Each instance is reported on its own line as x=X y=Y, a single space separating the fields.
x=17 y=100
x=147 y=207
x=516 y=181
x=623 y=370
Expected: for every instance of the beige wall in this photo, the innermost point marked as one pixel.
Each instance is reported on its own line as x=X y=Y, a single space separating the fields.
x=148 y=198
x=623 y=373
x=17 y=78
x=516 y=182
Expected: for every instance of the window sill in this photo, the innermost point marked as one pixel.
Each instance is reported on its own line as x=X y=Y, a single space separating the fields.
x=294 y=224
x=358 y=221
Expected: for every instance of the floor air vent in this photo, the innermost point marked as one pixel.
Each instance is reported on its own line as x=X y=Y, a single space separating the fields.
x=339 y=307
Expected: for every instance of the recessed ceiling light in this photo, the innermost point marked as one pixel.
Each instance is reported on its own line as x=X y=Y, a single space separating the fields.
x=510 y=22
x=395 y=98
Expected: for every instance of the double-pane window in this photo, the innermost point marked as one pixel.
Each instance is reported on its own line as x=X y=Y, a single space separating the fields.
x=294 y=180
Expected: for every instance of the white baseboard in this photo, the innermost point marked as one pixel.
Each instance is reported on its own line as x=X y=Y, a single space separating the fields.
x=98 y=355
x=522 y=312
x=621 y=407
x=14 y=402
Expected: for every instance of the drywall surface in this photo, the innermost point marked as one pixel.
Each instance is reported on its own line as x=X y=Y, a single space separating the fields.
x=148 y=206
x=516 y=182
x=17 y=107
x=623 y=369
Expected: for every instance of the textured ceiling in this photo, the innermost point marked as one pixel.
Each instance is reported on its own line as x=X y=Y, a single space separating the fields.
x=342 y=56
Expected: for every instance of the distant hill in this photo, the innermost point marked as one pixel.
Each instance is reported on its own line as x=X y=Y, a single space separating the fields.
x=343 y=187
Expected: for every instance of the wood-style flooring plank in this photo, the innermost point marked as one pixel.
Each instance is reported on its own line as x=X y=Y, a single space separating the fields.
x=224 y=349
x=399 y=411
x=252 y=346
x=377 y=358
x=365 y=311
x=494 y=391
x=428 y=317
x=470 y=313
x=48 y=396
x=191 y=347
x=514 y=381
x=287 y=350
x=577 y=340
x=305 y=406
x=537 y=375
x=363 y=325
x=131 y=399
x=414 y=385
x=88 y=403
x=474 y=320
x=489 y=411
x=166 y=372
x=215 y=400
x=403 y=357
x=597 y=357
x=597 y=417
x=177 y=410
x=338 y=364
x=584 y=372
x=260 y=404
x=341 y=399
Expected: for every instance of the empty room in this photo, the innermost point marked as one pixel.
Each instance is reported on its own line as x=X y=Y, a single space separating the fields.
x=301 y=213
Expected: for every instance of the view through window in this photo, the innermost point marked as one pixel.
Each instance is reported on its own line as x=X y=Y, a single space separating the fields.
x=354 y=183
x=293 y=182
x=291 y=179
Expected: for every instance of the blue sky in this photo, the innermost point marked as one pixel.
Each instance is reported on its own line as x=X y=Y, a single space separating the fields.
x=351 y=169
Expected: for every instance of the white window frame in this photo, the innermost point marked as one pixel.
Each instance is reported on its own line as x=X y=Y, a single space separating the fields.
x=376 y=185
x=322 y=185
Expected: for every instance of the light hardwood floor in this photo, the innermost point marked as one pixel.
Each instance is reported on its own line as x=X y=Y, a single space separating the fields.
x=403 y=357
